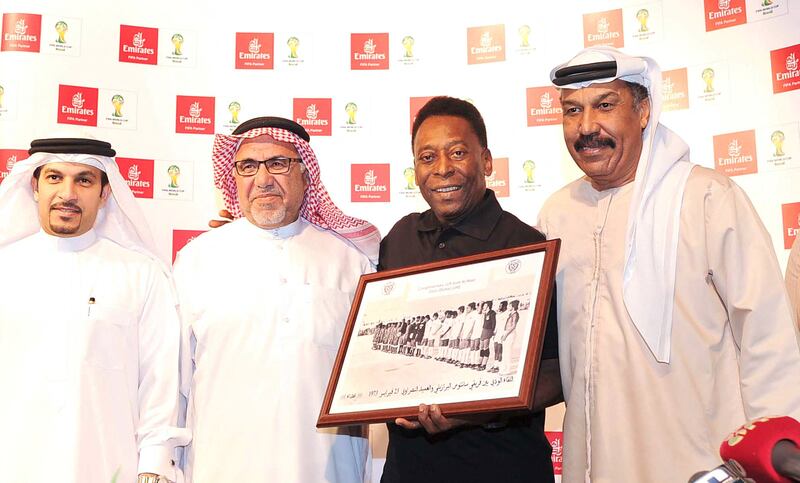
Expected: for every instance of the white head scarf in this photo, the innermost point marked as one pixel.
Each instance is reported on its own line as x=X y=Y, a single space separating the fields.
x=120 y=219
x=651 y=238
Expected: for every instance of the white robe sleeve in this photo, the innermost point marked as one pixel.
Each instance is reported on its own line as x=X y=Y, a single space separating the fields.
x=187 y=344
x=748 y=280
x=159 y=331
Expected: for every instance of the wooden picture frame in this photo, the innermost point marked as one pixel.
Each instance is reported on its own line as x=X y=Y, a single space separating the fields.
x=387 y=364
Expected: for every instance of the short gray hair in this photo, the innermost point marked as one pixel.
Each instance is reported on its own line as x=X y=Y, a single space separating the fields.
x=639 y=92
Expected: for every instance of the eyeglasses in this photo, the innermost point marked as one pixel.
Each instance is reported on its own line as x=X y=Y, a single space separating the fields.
x=276 y=165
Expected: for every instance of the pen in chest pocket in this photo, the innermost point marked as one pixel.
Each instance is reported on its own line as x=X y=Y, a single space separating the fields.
x=91 y=302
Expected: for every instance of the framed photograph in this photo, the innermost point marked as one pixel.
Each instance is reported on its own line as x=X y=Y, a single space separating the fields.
x=464 y=333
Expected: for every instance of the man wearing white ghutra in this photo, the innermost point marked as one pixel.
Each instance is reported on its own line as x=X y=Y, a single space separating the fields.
x=89 y=331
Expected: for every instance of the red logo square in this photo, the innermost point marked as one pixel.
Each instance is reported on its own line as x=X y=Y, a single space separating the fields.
x=138 y=45
x=77 y=105
x=22 y=32
x=255 y=50
x=785 y=69
x=556 y=439
x=369 y=51
x=498 y=180
x=486 y=44
x=544 y=106
x=675 y=89
x=724 y=13
x=603 y=28
x=180 y=238
x=9 y=157
x=369 y=183
x=194 y=115
x=314 y=115
x=735 y=153
x=138 y=173
x=791 y=223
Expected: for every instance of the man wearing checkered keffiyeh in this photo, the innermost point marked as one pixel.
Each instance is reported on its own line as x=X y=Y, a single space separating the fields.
x=264 y=300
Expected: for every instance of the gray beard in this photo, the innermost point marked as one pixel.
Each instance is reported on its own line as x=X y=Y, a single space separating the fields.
x=269 y=217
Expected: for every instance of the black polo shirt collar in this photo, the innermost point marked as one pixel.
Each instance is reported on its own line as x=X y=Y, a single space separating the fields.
x=478 y=224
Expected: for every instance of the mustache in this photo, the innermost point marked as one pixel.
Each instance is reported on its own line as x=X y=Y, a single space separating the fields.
x=267 y=190
x=593 y=141
x=67 y=205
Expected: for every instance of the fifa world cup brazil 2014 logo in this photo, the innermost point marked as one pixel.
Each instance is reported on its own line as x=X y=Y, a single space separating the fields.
x=777 y=139
x=410 y=176
x=530 y=171
x=177 y=43
x=234 y=108
x=408 y=46
x=293 y=44
x=174 y=172
x=351 y=108
x=708 y=78
x=642 y=16
x=117 y=101
x=524 y=36
x=61 y=30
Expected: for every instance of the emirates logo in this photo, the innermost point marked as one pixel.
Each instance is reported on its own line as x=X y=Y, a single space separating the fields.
x=195 y=110
x=312 y=112
x=667 y=86
x=486 y=39
x=546 y=100
x=254 y=47
x=369 y=46
x=602 y=26
x=724 y=4
x=734 y=148
x=78 y=100
x=134 y=173
x=791 y=62
x=369 y=178
x=10 y=162
x=138 y=40
x=20 y=27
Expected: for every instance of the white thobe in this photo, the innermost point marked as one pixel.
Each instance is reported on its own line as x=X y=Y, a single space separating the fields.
x=89 y=339
x=263 y=313
x=735 y=351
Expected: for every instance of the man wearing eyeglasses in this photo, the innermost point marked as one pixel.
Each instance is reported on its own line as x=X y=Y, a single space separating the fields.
x=263 y=301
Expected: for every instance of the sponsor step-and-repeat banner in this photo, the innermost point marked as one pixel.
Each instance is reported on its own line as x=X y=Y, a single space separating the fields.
x=160 y=80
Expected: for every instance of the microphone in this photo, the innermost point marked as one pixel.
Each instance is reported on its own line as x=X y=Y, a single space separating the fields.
x=767 y=449
x=729 y=472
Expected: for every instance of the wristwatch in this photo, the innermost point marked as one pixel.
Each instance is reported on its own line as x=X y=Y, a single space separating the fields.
x=152 y=478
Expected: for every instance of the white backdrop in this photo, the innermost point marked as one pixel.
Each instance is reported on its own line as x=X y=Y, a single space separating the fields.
x=474 y=50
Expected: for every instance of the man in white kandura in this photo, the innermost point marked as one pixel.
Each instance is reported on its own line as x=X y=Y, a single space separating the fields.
x=264 y=301
x=89 y=332
x=673 y=321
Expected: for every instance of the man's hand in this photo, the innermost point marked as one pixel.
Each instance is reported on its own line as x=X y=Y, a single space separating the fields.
x=431 y=418
x=226 y=218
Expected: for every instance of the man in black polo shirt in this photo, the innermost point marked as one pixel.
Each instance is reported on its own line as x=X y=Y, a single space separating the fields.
x=451 y=160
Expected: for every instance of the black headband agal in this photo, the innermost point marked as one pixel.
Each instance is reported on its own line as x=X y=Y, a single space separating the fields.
x=72 y=146
x=585 y=72
x=276 y=122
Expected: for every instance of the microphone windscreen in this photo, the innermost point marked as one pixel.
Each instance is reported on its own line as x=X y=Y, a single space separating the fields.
x=752 y=444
